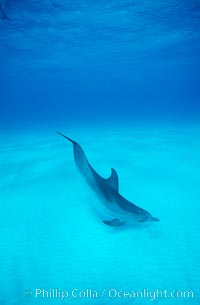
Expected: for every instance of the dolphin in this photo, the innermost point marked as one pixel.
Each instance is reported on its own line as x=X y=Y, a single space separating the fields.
x=120 y=210
x=3 y=10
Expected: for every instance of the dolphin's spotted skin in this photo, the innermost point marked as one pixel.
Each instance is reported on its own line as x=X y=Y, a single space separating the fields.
x=120 y=210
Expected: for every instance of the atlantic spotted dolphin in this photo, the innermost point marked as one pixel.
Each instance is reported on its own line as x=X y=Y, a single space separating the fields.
x=119 y=210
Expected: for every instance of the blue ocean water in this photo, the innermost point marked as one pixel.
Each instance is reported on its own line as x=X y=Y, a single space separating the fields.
x=122 y=79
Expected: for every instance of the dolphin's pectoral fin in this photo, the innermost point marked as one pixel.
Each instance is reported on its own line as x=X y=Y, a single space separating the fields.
x=113 y=180
x=114 y=222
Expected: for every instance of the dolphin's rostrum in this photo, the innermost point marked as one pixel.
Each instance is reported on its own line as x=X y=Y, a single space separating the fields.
x=120 y=210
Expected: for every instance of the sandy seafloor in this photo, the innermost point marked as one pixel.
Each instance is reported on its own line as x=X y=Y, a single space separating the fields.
x=50 y=238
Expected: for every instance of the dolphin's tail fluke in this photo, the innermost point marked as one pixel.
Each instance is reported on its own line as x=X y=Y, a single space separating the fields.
x=65 y=137
x=5 y=17
x=3 y=13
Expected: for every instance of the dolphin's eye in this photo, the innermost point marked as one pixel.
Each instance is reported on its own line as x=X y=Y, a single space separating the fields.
x=144 y=219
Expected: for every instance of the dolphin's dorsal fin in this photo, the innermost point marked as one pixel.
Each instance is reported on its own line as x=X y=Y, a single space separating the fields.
x=113 y=180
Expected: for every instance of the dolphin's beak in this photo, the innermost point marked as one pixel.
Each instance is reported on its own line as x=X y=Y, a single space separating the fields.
x=155 y=219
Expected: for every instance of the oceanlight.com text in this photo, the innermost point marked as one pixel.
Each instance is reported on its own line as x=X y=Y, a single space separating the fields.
x=111 y=293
